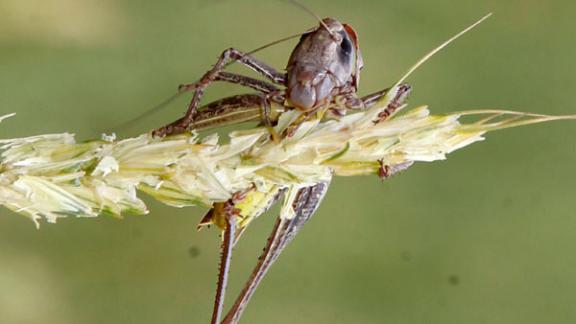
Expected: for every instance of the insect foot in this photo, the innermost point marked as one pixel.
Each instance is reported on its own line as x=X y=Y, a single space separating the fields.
x=383 y=170
x=386 y=171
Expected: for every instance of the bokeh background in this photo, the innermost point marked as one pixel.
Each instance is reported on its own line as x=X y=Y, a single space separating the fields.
x=487 y=236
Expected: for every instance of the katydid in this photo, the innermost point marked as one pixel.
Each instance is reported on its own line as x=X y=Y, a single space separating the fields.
x=322 y=76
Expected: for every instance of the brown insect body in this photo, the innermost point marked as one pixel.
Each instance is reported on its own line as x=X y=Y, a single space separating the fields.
x=322 y=75
x=325 y=62
x=322 y=71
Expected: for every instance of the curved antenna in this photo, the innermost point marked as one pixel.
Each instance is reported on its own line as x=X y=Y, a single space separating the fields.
x=308 y=10
x=131 y=122
x=175 y=96
x=275 y=43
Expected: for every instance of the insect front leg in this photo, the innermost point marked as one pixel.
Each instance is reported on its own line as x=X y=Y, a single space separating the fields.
x=293 y=127
x=228 y=56
x=266 y=99
x=385 y=171
x=345 y=98
x=399 y=99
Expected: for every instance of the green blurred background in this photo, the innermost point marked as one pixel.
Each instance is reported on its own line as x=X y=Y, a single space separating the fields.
x=487 y=236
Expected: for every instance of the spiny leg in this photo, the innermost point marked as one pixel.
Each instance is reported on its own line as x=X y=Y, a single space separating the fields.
x=226 y=57
x=256 y=84
x=350 y=101
x=385 y=171
x=398 y=100
x=232 y=110
x=227 y=213
x=225 y=258
x=241 y=108
x=304 y=205
x=371 y=99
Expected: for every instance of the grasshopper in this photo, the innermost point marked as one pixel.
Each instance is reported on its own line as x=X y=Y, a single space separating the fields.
x=321 y=80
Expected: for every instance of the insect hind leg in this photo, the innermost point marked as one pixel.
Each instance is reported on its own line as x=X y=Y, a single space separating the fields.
x=228 y=56
x=225 y=260
x=256 y=84
x=242 y=108
x=304 y=204
x=227 y=213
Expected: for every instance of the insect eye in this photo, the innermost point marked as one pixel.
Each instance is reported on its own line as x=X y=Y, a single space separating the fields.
x=346 y=45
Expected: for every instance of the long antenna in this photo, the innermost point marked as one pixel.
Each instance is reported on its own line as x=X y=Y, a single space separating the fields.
x=308 y=10
x=151 y=111
x=274 y=43
x=175 y=96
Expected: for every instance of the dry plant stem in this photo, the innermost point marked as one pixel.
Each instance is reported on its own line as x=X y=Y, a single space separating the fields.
x=226 y=256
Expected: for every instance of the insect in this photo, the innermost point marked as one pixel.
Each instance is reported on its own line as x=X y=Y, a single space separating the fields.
x=321 y=80
x=322 y=74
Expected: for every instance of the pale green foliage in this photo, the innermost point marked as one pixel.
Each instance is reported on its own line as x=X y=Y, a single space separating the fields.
x=51 y=176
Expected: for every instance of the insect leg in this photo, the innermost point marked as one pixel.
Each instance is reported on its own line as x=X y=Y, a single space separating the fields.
x=226 y=57
x=345 y=98
x=398 y=100
x=293 y=127
x=258 y=66
x=225 y=258
x=267 y=114
x=304 y=203
x=371 y=99
x=224 y=214
x=385 y=171
x=242 y=108
x=258 y=85
x=238 y=109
